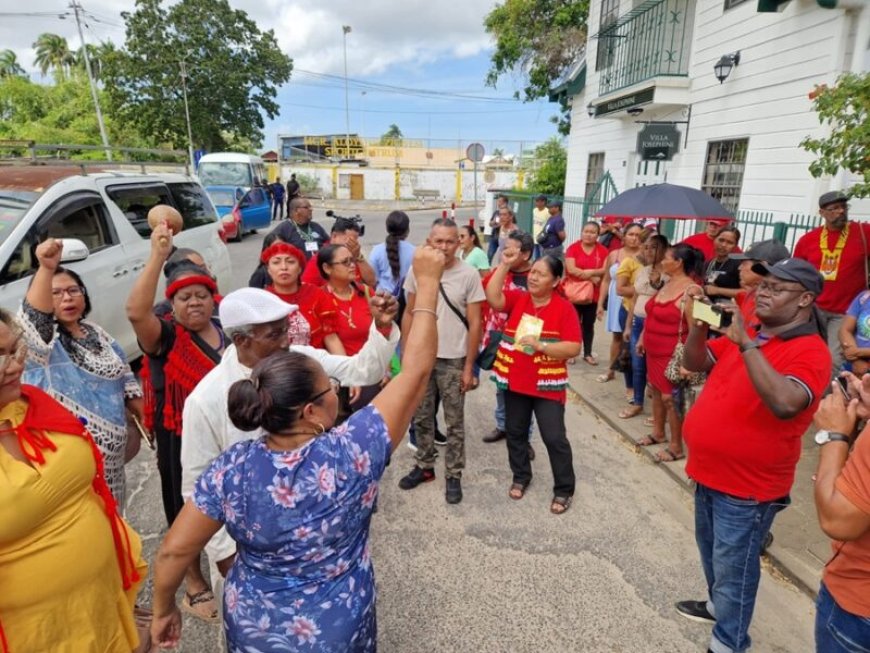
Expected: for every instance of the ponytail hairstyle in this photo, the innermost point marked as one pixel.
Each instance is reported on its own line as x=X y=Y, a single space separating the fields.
x=690 y=258
x=398 y=226
x=274 y=396
x=472 y=233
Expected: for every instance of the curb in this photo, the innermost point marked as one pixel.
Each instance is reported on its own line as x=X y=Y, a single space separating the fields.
x=776 y=560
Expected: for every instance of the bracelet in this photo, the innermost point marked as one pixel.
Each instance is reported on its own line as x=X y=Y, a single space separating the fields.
x=748 y=346
x=424 y=310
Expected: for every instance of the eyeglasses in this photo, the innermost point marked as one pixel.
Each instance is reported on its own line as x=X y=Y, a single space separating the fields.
x=770 y=289
x=346 y=262
x=18 y=355
x=833 y=208
x=72 y=291
x=334 y=385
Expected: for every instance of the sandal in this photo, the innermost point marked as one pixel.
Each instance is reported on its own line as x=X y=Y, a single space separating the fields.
x=590 y=360
x=201 y=605
x=650 y=440
x=560 y=505
x=668 y=456
x=604 y=378
x=632 y=411
x=517 y=491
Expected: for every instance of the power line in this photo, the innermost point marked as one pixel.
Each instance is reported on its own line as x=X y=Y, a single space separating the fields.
x=433 y=113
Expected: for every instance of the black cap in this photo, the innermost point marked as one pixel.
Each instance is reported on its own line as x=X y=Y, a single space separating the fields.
x=541 y=197
x=770 y=251
x=831 y=197
x=555 y=203
x=343 y=224
x=793 y=269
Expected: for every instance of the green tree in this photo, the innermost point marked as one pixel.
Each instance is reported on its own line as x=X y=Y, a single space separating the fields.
x=549 y=168
x=233 y=71
x=393 y=135
x=539 y=40
x=53 y=53
x=845 y=107
x=9 y=66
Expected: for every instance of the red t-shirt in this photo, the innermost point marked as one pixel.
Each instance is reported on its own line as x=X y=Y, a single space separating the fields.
x=736 y=444
x=703 y=242
x=847 y=575
x=592 y=261
x=535 y=374
x=316 y=306
x=311 y=275
x=353 y=319
x=851 y=275
x=745 y=300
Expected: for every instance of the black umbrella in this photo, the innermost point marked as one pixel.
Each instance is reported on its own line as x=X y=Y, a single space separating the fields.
x=664 y=201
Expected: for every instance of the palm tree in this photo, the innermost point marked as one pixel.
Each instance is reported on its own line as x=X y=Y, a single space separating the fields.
x=393 y=135
x=9 y=66
x=52 y=52
x=95 y=54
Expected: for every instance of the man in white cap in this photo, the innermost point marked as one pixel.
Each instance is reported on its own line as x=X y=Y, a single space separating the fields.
x=256 y=322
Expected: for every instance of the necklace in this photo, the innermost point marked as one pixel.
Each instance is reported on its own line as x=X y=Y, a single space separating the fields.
x=830 y=263
x=348 y=315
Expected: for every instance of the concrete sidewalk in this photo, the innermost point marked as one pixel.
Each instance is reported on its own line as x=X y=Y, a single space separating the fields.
x=800 y=548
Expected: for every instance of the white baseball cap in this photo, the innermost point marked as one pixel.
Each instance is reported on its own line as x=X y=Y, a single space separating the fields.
x=252 y=306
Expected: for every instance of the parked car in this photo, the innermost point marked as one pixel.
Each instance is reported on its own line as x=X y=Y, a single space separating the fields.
x=240 y=211
x=103 y=217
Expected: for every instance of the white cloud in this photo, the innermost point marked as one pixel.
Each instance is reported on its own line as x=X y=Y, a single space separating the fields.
x=385 y=33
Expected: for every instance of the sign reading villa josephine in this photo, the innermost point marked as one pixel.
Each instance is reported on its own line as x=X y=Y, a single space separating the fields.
x=658 y=142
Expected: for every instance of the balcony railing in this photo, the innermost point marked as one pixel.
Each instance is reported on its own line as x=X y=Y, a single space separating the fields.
x=652 y=40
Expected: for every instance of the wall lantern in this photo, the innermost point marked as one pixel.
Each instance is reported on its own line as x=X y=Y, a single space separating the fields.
x=590 y=110
x=723 y=67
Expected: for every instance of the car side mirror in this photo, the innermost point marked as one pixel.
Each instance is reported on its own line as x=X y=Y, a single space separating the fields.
x=73 y=250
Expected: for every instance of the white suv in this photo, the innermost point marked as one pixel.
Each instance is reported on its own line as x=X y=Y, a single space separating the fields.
x=106 y=212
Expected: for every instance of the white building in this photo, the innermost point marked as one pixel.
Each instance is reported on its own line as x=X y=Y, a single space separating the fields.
x=739 y=139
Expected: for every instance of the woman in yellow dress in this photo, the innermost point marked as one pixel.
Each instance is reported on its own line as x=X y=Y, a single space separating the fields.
x=70 y=567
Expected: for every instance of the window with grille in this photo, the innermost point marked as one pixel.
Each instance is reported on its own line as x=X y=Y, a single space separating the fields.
x=609 y=14
x=723 y=171
x=594 y=173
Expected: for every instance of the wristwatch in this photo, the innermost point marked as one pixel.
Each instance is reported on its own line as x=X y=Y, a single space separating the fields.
x=823 y=437
x=745 y=347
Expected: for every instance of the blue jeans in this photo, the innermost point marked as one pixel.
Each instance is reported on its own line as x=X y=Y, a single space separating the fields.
x=838 y=631
x=638 y=362
x=500 y=413
x=729 y=532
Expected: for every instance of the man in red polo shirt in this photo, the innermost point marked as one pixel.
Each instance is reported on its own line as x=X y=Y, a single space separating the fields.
x=744 y=437
x=705 y=240
x=344 y=232
x=839 y=250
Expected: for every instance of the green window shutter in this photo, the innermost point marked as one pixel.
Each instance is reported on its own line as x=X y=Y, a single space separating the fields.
x=770 y=6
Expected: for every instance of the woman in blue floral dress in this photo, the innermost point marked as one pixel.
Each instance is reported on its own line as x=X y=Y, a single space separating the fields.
x=298 y=501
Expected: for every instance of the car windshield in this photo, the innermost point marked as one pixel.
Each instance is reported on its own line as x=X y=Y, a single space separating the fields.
x=13 y=205
x=222 y=197
x=214 y=173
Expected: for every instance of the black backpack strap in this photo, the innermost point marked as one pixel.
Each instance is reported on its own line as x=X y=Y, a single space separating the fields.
x=452 y=307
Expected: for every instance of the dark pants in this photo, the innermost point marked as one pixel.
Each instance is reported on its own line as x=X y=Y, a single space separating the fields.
x=551 y=423
x=586 y=313
x=839 y=631
x=169 y=468
x=638 y=362
x=278 y=209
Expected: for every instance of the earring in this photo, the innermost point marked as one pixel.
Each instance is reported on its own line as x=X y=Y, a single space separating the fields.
x=321 y=429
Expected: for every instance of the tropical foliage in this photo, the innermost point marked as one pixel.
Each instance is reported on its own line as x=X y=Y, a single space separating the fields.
x=549 y=168
x=9 y=66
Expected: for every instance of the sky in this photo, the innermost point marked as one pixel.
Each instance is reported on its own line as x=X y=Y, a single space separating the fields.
x=414 y=44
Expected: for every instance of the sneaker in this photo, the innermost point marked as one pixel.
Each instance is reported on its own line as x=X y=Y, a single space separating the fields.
x=495 y=436
x=696 y=611
x=440 y=438
x=415 y=477
x=453 y=493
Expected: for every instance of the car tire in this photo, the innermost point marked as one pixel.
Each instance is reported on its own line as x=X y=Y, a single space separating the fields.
x=238 y=237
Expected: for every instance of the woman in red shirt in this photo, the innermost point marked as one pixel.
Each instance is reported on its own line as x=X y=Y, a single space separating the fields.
x=285 y=263
x=542 y=332
x=585 y=260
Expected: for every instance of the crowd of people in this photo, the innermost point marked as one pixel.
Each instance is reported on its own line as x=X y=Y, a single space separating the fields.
x=275 y=410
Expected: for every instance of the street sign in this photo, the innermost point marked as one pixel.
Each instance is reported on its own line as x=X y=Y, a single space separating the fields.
x=475 y=152
x=658 y=142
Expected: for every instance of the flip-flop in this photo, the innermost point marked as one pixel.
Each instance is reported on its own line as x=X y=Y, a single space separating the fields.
x=517 y=491
x=563 y=502
x=604 y=378
x=668 y=456
x=649 y=440
x=590 y=360
x=628 y=413
x=201 y=605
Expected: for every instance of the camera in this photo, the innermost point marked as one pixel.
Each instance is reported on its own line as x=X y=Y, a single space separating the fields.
x=354 y=221
x=724 y=316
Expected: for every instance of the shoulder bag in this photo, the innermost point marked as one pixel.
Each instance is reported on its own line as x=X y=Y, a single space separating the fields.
x=672 y=371
x=455 y=310
x=577 y=290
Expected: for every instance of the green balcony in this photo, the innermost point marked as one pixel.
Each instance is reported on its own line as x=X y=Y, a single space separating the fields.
x=652 y=40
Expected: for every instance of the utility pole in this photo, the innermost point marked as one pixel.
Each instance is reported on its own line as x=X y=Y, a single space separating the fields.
x=187 y=116
x=76 y=7
x=345 y=31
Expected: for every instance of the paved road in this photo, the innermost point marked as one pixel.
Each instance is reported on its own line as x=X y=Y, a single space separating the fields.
x=496 y=575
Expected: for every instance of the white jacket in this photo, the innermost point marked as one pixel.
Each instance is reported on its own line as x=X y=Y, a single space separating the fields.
x=208 y=431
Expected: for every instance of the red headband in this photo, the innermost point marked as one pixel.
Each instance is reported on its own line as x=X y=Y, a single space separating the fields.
x=195 y=280
x=276 y=249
